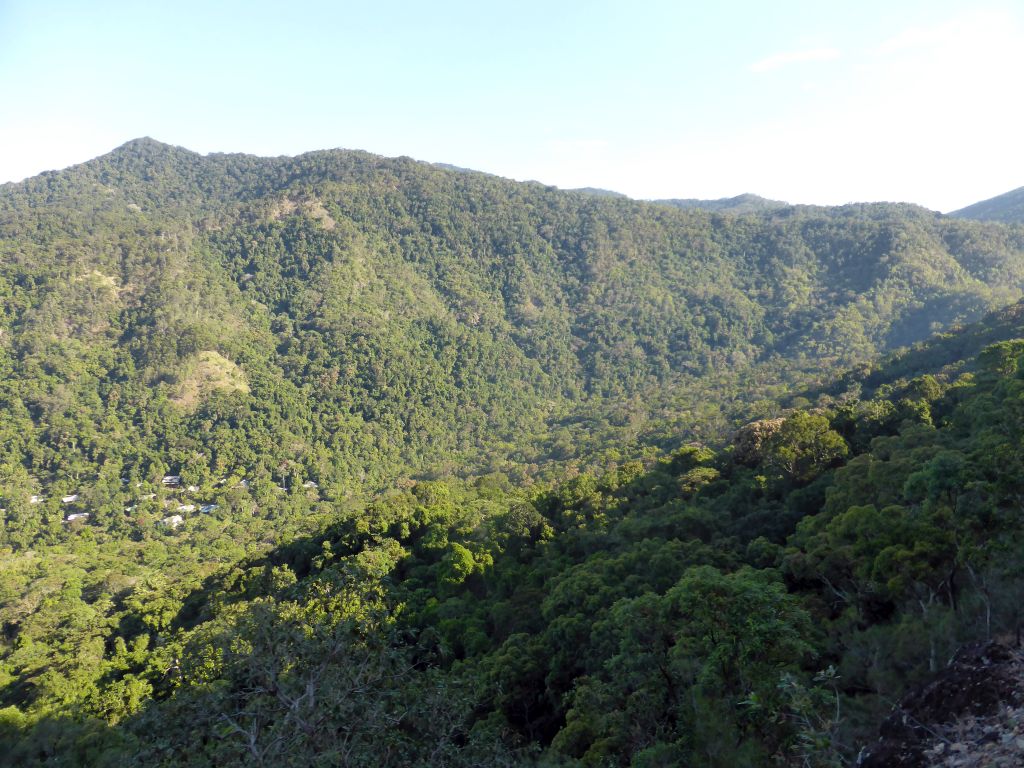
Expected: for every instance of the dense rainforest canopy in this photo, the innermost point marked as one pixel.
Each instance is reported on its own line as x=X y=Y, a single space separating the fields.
x=350 y=319
x=346 y=460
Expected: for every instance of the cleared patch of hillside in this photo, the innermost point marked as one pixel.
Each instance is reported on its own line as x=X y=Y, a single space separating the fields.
x=209 y=371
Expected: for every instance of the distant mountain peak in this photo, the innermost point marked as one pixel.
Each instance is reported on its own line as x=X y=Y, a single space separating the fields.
x=142 y=141
x=744 y=203
x=598 y=192
x=1008 y=207
x=146 y=144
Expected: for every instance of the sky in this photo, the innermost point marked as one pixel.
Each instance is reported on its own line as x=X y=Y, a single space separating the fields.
x=808 y=102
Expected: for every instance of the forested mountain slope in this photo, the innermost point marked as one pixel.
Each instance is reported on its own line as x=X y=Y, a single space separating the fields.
x=334 y=458
x=762 y=603
x=1008 y=207
x=745 y=203
x=346 y=319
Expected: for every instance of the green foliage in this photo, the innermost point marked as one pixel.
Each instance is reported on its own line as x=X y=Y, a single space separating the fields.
x=326 y=349
x=349 y=320
x=803 y=447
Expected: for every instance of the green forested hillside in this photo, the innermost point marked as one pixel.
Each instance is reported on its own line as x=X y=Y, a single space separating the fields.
x=347 y=460
x=760 y=604
x=347 y=319
x=1008 y=208
x=745 y=203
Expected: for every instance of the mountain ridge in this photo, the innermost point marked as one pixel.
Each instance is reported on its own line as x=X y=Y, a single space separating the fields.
x=355 y=259
x=146 y=146
x=743 y=203
x=1007 y=207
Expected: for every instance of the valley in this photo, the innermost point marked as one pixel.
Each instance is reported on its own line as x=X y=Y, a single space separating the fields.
x=350 y=460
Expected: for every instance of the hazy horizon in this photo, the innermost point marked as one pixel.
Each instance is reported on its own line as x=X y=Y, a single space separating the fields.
x=478 y=170
x=792 y=102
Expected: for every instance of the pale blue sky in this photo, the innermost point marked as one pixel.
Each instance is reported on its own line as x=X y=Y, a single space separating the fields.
x=803 y=101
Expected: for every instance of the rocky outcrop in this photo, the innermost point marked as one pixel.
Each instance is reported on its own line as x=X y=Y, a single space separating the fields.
x=970 y=716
